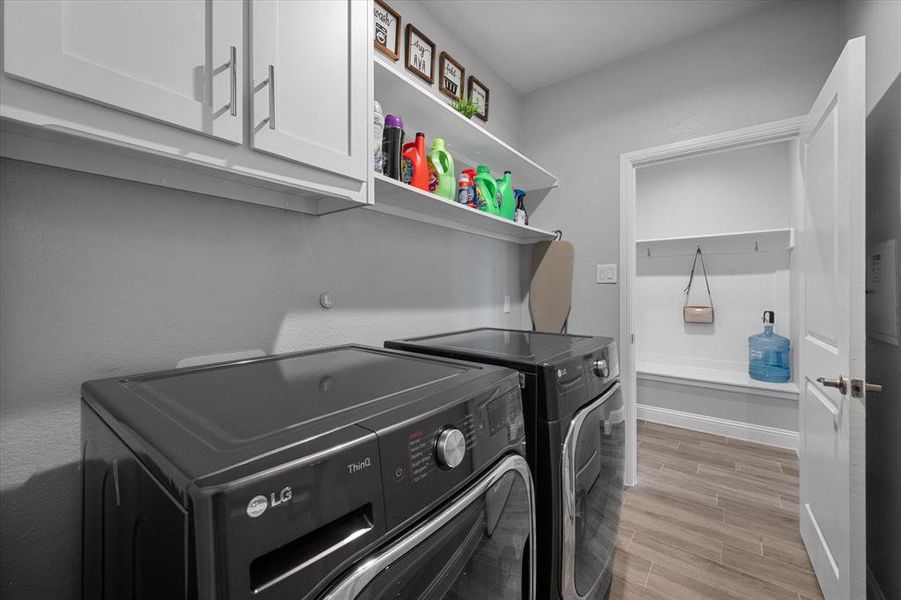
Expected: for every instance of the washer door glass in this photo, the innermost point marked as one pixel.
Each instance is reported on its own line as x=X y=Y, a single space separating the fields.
x=594 y=453
x=477 y=547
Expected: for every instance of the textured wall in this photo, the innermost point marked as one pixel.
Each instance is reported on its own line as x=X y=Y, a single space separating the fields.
x=100 y=277
x=504 y=110
x=766 y=66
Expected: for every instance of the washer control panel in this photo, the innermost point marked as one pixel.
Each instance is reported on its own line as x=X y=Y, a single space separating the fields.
x=450 y=447
x=600 y=368
x=425 y=459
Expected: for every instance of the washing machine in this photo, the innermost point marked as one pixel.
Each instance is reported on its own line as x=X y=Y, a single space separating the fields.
x=335 y=474
x=575 y=430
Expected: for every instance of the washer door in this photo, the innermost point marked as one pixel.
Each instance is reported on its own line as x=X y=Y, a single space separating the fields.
x=477 y=547
x=593 y=456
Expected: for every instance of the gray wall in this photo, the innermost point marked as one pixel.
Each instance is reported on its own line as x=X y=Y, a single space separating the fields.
x=755 y=409
x=765 y=66
x=100 y=277
x=504 y=110
x=881 y=23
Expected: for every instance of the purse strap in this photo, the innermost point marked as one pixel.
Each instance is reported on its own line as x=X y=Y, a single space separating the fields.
x=691 y=277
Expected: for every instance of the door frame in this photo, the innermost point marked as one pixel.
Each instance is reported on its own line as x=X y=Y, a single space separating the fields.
x=764 y=133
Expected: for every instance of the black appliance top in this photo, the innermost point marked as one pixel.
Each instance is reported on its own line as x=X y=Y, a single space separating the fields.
x=207 y=419
x=296 y=466
x=524 y=349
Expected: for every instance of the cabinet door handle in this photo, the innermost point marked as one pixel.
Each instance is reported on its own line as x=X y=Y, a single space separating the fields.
x=271 y=81
x=233 y=83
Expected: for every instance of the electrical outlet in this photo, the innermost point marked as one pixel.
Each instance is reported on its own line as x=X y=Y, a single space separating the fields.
x=606 y=273
x=506 y=304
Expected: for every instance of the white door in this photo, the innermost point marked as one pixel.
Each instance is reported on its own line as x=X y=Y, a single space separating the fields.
x=833 y=331
x=175 y=61
x=311 y=63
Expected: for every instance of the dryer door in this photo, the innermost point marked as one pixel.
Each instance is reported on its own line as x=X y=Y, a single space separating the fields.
x=476 y=547
x=593 y=455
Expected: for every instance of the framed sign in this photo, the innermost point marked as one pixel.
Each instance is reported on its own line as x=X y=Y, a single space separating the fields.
x=420 y=55
x=387 y=30
x=478 y=94
x=451 y=76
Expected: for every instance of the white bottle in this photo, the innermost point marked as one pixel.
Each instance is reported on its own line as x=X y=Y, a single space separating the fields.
x=378 y=126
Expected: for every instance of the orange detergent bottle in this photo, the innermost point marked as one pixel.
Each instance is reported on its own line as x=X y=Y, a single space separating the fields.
x=414 y=167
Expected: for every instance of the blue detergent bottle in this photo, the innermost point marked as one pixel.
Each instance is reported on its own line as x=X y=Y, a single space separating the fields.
x=769 y=353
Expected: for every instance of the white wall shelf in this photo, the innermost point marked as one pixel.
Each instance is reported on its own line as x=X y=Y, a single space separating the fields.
x=718 y=379
x=402 y=200
x=466 y=140
x=765 y=240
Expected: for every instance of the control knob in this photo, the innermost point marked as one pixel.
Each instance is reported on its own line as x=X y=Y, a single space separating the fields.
x=450 y=447
x=600 y=368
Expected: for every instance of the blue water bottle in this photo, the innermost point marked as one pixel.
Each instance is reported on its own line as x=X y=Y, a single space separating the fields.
x=769 y=353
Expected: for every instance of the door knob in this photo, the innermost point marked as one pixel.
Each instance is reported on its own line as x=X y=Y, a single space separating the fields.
x=841 y=384
x=858 y=387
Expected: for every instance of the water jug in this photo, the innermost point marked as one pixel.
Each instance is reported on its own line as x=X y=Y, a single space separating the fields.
x=486 y=190
x=769 y=353
x=441 y=170
x=414 y=167
x=508 y=201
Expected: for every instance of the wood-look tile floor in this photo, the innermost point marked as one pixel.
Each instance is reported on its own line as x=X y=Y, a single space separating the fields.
x=711 y=518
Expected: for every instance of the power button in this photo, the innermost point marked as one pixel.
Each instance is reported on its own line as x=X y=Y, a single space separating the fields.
x=399 y=472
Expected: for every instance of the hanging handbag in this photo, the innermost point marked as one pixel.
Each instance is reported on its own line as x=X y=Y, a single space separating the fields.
x=698 y=313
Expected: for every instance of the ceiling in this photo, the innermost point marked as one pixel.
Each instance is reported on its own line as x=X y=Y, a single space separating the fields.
x=532 y=44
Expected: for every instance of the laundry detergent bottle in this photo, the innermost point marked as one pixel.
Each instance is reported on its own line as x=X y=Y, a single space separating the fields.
x=508 y=199
x=470 y=196
x=441 y=170
x=415 y=165
x=392 y=145
x=769 y=353
x=486 y=190
x=465 y=194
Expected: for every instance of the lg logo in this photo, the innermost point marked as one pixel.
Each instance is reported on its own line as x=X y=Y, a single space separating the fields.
x=359 y=466
x=258 y=504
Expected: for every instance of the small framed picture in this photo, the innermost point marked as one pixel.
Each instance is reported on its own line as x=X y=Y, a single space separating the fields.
x=387 y=30
x=478 y=93
x=451 y=76
x=420 y=55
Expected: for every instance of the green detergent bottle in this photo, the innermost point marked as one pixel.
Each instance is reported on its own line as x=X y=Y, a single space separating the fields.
x=441 y=170
x=508 y=198
x=486 y=190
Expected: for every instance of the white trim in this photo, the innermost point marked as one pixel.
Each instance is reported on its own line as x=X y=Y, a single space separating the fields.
x=771 y=436
x=705 y=378
x=874 y=592
x=764 y=133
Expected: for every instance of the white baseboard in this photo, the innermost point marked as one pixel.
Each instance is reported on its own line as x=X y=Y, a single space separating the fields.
x=874 y=592
x=771 y=436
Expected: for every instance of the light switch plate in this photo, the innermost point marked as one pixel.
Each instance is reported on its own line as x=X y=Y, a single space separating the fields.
x=606 y=273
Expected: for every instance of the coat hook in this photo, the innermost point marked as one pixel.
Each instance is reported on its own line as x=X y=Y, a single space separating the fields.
x=756 y=247
x=649 y=253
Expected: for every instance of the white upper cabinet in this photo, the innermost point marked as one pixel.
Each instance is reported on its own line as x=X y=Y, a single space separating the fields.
x=310 y=72
x=176 y=61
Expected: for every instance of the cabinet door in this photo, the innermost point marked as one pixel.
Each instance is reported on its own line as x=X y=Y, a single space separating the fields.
x=176 y=61
x=310 y=67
